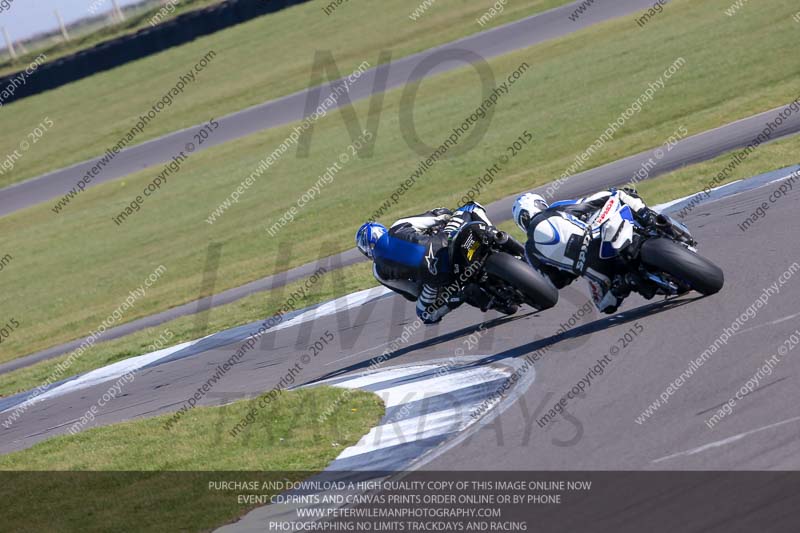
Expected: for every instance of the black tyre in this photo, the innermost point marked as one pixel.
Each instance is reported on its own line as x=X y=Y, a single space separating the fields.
x=537 y=291
x=672 y=258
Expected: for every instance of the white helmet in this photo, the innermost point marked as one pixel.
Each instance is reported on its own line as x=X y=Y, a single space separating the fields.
x=526 y=207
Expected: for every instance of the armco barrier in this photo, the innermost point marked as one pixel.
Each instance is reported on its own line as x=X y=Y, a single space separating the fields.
x=145 y=42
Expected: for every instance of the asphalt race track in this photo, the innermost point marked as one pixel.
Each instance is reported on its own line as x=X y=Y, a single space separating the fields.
x=598 y=431
x=678 y=413
x=517 y=35
x=690 y=150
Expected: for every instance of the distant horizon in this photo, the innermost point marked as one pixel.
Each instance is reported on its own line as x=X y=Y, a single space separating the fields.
x=23 y=19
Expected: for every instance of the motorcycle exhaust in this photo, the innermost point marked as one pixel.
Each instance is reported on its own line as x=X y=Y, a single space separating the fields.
x=501 y=237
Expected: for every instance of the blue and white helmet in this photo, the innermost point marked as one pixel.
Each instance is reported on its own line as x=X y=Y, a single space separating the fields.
x=367 y=237
x=526 y=207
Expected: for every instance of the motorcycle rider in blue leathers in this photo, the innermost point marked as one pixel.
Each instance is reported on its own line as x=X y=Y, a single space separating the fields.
x=411 y=257
x=556 y=237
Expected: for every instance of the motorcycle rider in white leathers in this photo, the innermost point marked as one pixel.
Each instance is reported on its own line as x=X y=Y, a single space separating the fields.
x=557 y=243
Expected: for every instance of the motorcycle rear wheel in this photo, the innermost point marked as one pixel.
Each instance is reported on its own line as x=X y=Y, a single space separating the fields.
x=538 y=293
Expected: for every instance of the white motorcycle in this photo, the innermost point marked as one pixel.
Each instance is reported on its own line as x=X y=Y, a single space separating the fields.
x=662 y=255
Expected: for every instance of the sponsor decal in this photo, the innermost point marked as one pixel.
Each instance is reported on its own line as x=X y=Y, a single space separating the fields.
x=470 y=240
x=432 y=261
x=580 y=265
x=611 y=202
x=472 y=250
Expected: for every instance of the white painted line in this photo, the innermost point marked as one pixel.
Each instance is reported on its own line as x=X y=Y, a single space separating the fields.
x=119 y=369
x=449 y=382
x=455 y=418
x=794 y=174
x=725 y=442
x=661 y=207
x=774 y=322
x=708 y=200
x=105 y=373
x=409 y=430
x=343 y=303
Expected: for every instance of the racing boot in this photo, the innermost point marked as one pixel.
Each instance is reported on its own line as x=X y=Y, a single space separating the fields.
x=635 y=282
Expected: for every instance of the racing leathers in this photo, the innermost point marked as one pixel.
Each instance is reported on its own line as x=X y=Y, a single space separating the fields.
x=412 y=259
x=562 y=246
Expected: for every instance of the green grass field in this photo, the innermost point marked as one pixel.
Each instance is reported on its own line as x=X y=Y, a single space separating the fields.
x=257 y=61
x=138 y=464
x=573 y=88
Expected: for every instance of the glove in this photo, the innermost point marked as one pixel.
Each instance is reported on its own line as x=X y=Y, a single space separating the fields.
x=647 y=216
x=631 y=191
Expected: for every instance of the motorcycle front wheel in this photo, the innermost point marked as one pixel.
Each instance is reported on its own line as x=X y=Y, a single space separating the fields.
x=668 y=256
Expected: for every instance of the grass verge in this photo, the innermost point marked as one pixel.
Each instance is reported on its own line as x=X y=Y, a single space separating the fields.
x=140 y=477
x=694 y=178
x=262 y=59
x=253 y=308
